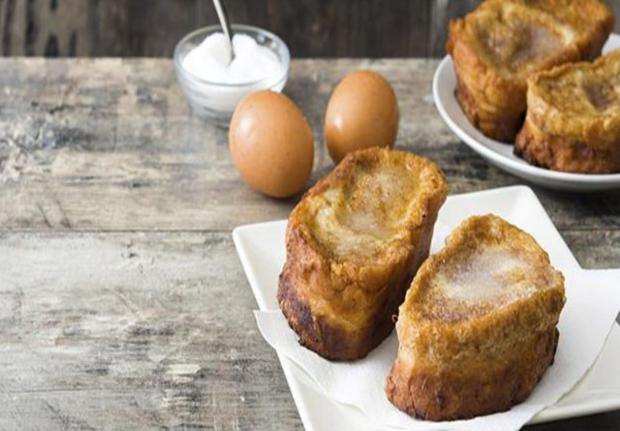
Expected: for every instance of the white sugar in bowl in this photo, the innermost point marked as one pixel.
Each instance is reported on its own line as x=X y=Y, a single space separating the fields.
x=213 y=85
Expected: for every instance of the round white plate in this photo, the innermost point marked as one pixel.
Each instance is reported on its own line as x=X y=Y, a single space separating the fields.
x=500 y=154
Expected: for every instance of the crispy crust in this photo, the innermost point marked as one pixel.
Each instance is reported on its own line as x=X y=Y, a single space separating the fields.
x=451 y=396
x=491 y=92
x=500 y=125
x=563 y=153
x=565 y=130
x=457 y=362
x=341 y=305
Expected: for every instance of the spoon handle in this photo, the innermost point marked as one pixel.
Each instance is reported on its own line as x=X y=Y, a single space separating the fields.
x=225 y=23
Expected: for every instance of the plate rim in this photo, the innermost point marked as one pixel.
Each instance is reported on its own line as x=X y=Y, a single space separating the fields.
x=565 y=178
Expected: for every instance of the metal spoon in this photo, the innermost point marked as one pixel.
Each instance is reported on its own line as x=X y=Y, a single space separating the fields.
x=225 y=23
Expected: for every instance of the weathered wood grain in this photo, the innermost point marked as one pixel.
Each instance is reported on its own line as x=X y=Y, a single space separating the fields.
x=122 y=302
x=594 y=249
x=133 y=331
x=152 y=28
x=110 y=144
x=312 y=28
x=127 y=331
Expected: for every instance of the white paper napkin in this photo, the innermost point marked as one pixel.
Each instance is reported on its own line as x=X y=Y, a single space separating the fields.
x=593 y=302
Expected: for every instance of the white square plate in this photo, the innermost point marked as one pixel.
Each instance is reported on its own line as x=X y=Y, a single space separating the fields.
x=499 y=153
x=262 y=253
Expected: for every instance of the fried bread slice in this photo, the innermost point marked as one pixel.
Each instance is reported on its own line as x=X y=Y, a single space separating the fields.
x=499 y=45
x=477 y=329
x=353 y=244
x=573 y=117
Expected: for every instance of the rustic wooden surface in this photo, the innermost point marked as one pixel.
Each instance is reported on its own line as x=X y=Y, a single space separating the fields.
x=312 y=28
x=123 y=305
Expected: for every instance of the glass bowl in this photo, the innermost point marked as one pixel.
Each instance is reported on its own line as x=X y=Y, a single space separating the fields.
x=216 y=101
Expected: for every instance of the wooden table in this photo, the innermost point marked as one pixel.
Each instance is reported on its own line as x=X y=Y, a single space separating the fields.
x=123 y=305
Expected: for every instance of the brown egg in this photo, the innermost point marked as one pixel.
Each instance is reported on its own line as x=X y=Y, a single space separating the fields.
x=271 y=144
x=362 y=112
